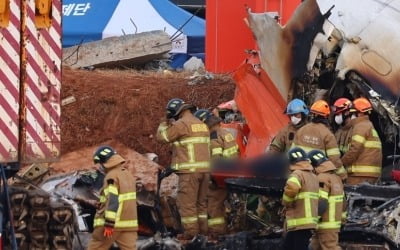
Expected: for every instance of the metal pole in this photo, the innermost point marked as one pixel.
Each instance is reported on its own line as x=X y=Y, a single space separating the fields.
x=184 y=24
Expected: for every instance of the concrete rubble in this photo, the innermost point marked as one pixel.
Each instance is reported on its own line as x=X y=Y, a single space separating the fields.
x=193 y=64
x=118 y=51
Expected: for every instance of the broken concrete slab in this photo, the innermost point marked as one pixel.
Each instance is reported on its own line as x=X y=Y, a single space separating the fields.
x=119 y=51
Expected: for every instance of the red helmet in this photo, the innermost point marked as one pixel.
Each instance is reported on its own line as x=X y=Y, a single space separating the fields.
x=362 y=105
x=321 y=108
x=341 y=105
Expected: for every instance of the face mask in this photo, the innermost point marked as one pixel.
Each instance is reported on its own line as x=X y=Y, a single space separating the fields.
x=295 y=120
x=339 y=119
x=353 y=116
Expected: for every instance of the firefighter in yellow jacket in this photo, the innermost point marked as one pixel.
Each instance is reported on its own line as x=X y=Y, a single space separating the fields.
x=223 y=147
x=363 y=158
x=297 y=112
x=317 y=135
x=300 y=200
x=190 y=139
x=116 y=217
x=326 y=237
x=342 y=118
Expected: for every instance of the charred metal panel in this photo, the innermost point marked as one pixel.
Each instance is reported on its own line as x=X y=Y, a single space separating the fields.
x=285 y=50
x=374 y=211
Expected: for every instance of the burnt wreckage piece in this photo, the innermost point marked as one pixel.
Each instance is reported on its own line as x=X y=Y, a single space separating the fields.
x=373 y=214
x=373 y=211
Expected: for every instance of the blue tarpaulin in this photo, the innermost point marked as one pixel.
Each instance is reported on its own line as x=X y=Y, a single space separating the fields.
x=92 y=20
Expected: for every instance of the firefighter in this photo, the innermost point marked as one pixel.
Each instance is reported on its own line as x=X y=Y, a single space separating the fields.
x=116 y=216
x=342 y=119
x=317 y=135
x=190 y=139
x=363 y=158
x=297 y=112
x=223 y=147
x=300 y=200
x=331 y=193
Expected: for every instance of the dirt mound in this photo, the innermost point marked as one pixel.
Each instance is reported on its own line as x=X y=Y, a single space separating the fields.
x=128 y=105
x=142 y=168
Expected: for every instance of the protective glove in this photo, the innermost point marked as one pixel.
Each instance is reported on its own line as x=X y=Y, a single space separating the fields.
x=108 y=232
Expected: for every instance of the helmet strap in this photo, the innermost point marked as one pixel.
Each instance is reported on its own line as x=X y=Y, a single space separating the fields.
x=346 y=116
x=102 y=168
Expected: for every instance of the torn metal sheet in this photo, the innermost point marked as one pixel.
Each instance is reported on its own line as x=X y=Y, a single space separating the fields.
x=285 y=50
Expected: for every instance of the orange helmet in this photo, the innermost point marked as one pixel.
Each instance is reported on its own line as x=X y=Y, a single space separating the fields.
x=341 y=105
x=321 y=108
x=362 y=105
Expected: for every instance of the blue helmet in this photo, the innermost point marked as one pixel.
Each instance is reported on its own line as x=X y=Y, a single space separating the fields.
x=296 y=106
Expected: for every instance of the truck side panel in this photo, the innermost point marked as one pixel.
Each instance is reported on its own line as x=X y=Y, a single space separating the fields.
x=9 y=80
x=42 y=81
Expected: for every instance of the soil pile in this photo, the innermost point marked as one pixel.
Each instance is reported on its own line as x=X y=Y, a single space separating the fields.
x=143 y=169
x=127 y=106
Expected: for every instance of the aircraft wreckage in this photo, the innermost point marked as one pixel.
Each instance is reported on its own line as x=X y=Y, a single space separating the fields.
x=328 y=49
x=337 y=48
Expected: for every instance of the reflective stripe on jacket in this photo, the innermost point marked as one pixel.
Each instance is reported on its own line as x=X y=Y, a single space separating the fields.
x=216 y=221
x=341 y=136
x=364 y=154
x=191 y=144
x=300 y=198
x=283 y=140
x=223 y=144
x=118 y=201
x=318 y=136
x=330 y=189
